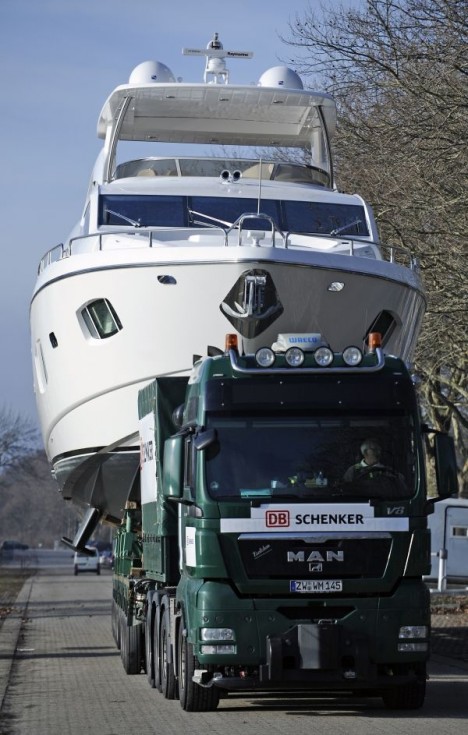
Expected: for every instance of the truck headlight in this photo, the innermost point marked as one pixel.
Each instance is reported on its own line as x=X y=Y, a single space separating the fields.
x=413 y=631
x=412 y=647
x=218 y=648
x=409 y=633
x=217 y=634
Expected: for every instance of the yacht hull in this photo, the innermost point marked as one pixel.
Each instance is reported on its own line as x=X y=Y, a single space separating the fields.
x=171 y=307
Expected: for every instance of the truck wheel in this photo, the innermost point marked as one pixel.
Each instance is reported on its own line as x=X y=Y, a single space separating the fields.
x=149 y=651
x=156 y=654
x=115 y=623
x=130 y=647
x=406 y=696
x=192 y=697
x=167 y=678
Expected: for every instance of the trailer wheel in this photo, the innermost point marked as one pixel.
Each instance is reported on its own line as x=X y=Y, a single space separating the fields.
x=406 y=696
x=130 y=647
x=192 y=696
x=167 y=678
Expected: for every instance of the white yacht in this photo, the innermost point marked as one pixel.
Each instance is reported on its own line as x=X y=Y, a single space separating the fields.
x=173 y=251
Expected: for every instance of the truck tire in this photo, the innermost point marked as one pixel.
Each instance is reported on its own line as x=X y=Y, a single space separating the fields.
x=405 y=696
x=116 y=623
x=192 y=696
x=167 y=677
x=149 y=647
x=130 y=647
x=156 y=654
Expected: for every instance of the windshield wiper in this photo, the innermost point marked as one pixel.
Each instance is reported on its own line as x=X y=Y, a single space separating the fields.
x=215 y=220
x=339 y=230
x=126 y=219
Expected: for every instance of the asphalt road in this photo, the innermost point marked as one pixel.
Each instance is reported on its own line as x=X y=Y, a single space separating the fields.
x=60 y=674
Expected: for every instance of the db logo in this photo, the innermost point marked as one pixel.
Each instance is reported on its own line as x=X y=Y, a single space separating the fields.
x=277 y=518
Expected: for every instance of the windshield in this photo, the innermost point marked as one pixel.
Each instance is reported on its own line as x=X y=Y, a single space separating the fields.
x=322 y=218
x=353 y=457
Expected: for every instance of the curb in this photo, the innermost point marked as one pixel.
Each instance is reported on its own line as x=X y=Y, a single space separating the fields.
x=9 y=635
x=446 y=662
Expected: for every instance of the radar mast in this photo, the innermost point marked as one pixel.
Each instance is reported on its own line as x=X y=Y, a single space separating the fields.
x=216 y=71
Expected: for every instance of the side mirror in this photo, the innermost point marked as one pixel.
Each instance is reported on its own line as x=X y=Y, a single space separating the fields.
x=445 y=465
x=173 y=467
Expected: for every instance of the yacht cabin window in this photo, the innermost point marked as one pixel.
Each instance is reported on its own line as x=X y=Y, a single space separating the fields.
x=101 y=319
x=323 y=218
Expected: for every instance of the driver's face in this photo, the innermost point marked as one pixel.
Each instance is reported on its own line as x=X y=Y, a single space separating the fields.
x=371 y=456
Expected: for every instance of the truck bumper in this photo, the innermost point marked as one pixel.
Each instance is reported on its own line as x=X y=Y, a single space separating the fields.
x=318 y=657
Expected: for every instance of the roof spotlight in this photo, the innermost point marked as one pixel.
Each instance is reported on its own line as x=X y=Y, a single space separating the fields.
x=323 y=356
x=265 y=357
x=352 y=356
x=294 y=357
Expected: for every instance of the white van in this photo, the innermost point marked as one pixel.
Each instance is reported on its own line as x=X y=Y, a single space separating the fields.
x=84 y=563
x=449 y=534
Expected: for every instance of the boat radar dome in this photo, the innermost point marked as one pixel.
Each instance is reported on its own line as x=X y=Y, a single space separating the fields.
x=280 y=76
x=149 y=72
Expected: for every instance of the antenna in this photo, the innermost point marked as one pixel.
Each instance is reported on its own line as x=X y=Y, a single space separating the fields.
x=215 y=56
x=259 y=185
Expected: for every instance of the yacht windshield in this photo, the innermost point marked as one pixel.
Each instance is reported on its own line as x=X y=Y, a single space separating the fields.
x=318 y=457
x=324 y=218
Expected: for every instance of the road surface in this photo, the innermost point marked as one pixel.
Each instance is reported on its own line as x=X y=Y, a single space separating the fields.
x=61 y=675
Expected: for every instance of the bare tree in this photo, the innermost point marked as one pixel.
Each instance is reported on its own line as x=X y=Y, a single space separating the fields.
x=18 y=439
x=399 y=71
x=32 y=510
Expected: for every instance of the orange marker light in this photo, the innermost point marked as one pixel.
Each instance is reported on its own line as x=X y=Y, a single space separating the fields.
x=374 y=340
x=230 y=342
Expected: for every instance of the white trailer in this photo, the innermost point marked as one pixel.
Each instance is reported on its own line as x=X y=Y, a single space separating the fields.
x=449 y=541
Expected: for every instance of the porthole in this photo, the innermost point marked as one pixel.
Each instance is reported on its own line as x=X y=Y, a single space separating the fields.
x=101 y=319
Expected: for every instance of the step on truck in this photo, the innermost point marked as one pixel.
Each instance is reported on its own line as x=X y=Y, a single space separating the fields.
x=269 y=550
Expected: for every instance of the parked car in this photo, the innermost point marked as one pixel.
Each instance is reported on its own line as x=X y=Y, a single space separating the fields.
x=14 y=546
x=10 y=550
x=87 y=562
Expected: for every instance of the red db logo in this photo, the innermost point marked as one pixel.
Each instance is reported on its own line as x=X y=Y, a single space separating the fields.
x=277 y=518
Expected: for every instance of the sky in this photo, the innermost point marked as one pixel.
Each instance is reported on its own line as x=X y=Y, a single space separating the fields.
x=59 y=61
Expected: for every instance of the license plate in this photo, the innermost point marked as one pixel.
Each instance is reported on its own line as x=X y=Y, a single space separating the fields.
x=315 y=585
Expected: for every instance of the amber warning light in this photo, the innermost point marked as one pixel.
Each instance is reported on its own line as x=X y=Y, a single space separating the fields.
x=230 y=342
x=374 y=341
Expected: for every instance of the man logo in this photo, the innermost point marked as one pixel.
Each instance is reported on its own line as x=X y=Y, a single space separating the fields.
x=277 y=518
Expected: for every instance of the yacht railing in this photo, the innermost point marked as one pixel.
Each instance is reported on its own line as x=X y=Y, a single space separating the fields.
x=161 y=237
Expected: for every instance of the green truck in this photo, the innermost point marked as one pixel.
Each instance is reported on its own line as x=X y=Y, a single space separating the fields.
x=264 y=552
